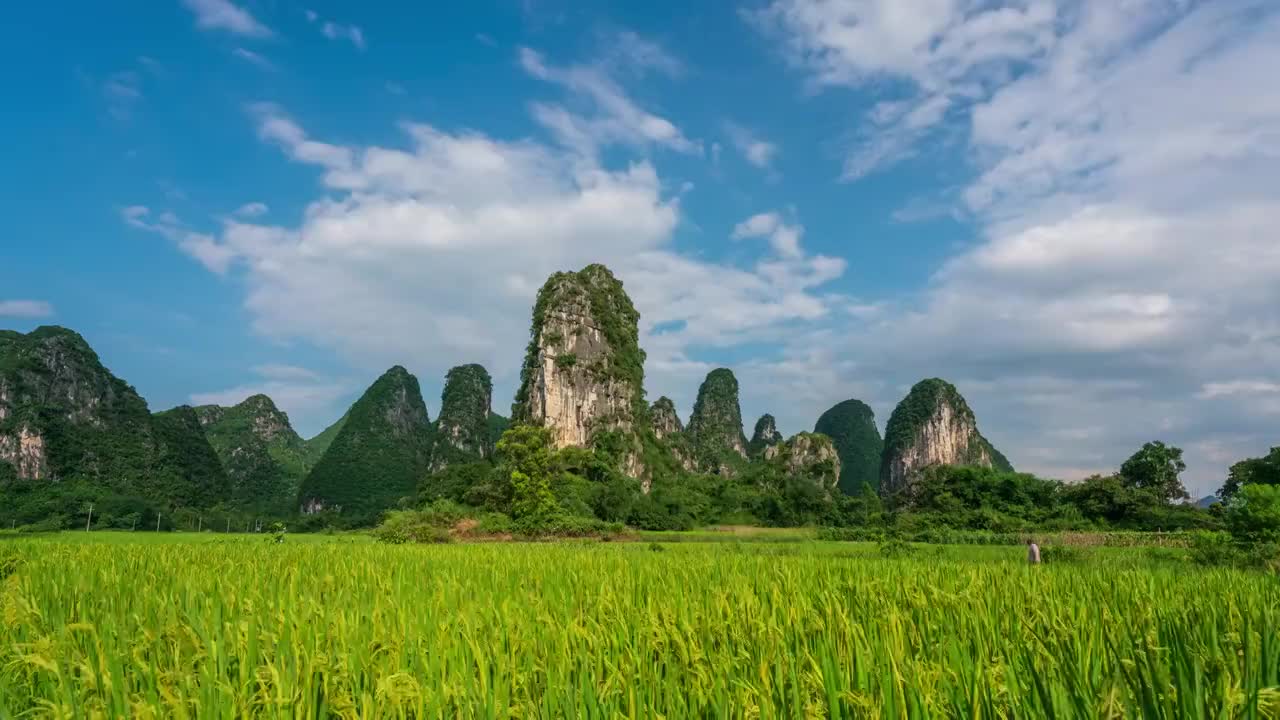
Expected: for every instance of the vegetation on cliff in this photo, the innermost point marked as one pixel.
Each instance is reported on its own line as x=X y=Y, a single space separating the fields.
x=462 y=431
x=765 y=435
x=851 y=425
x=377 y=457
x=263 y=456
x=186 y=456
x=715 y=428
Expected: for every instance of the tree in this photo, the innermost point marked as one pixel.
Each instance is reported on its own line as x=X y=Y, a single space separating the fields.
x=1156 y=468
x=526 y=460
x=1253 y=515
x=1260 y=471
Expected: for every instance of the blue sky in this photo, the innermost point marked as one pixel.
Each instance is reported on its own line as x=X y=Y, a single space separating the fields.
x=1066 y=207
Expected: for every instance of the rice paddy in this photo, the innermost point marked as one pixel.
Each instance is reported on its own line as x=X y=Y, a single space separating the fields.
x=237 y=627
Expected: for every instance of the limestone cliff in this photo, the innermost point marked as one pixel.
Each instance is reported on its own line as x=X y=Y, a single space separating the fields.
x=377 y=457
x=583 y=373
x=766 y=435
x=810 y=456
x=66 y=417
x=851 y=425
x=264 y=458
x=463 y=432
x=933 y=425
x=715 y=428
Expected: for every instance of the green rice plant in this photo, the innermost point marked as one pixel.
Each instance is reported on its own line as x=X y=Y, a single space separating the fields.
x=238 y=628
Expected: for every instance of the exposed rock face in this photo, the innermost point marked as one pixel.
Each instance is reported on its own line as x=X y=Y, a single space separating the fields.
x=933 y=425
x=378 y=456
x=583 y=372
x=666 y=421
x=265 y=459
x=851 y=425
x=715 y=428
x=808 y=455
x=26 y=453
x=462 y=430
x=64 y=417
x=766 y=435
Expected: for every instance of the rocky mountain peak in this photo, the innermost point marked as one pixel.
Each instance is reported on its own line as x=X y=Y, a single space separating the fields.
x=715 y=428
x=765 y=435
x=933 y=425
x=808 y=455
x=584 y=371
x=666 y=421
x=462 y=429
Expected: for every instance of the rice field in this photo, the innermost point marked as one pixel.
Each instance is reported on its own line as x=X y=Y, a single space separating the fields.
x=238 y=627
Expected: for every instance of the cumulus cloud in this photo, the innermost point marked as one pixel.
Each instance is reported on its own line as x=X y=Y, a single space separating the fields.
x=227 y=16
x=1121 y=288
x=205 y=248
x=252 y=210
x=25 y=308
x=430 y=254
x=756 y=151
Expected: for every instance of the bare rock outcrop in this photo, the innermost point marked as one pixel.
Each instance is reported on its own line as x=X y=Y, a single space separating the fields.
x=933 y=425
x=583 y=373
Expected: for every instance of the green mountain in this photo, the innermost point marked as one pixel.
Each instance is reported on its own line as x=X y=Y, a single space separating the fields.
x=933 y=425
x=71 y=431
x=264 y=458
x=378 y=455
x=462 y=432
x=715 y=428
x=185 y=453
x=851 y=425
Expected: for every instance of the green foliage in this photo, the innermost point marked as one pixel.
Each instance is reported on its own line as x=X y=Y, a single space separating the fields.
x=411 y=526
x=1155 y=468
x=316 y=446
x=1261 y=471
x=1253 y=515
x=379 y=455
x=851 y=425
x=463 y=430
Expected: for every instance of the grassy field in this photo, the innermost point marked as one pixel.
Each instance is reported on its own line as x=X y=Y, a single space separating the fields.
x=215 y=626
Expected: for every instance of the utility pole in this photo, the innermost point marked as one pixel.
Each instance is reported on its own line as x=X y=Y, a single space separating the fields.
x=157 y=521
x=228 y=524
x=199 y=523
x=86 y=522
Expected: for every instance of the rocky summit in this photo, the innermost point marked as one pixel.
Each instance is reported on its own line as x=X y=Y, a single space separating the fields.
x=766 y=435
x=851 y=425
x=810 y=456
x=462 y=430
x=933 y=425
x=666 y=422
x=583 y=372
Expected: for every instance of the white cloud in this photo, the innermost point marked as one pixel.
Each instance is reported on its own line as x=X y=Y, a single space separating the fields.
x=225 y=15
x=430 y=256
x=274 y=371
x=616 y=118
x=758 y=152
x=252 y=210
x=938 y=53
x=784 y=238
x=25 y=308
x=338 y=31
x=123 y=91
x=254 y=58
x=214 y=255
x=1123 y=276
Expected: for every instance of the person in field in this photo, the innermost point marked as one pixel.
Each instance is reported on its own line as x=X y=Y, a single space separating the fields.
x=1033 y=552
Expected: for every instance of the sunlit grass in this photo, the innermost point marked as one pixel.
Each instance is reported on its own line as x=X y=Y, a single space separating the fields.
x=238 y=627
